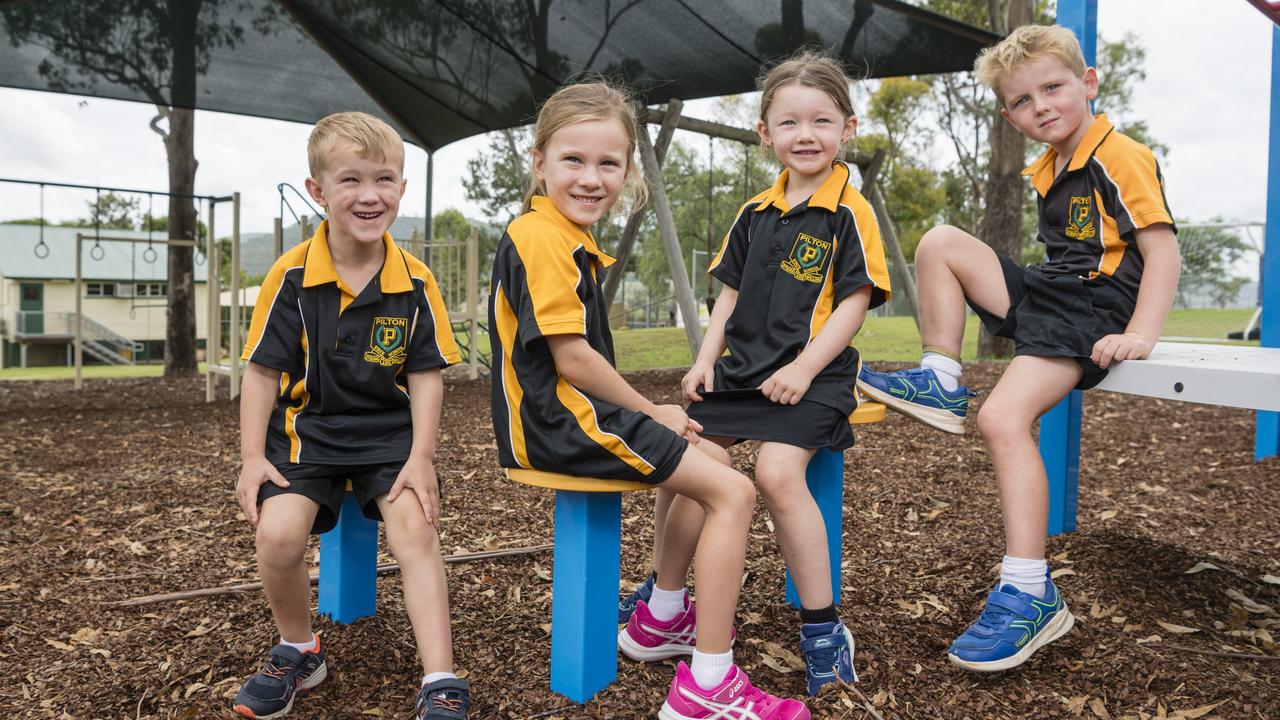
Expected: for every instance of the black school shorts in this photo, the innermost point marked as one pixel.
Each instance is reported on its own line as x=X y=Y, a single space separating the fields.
x=327 y=484
x=1057 y=316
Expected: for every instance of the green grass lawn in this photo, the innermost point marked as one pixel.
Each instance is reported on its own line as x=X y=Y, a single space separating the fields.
x=881 y=338
x=89 y=372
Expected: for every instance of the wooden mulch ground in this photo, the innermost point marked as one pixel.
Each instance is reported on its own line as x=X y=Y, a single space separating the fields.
x=125 y=489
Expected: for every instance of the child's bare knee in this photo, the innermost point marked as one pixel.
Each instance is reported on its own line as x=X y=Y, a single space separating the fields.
x=999 y=424
x=278 y=544
x=411 y=534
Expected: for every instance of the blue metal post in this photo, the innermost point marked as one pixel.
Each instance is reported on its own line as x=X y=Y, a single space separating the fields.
x=1060 y=427
x=825 y=477
x=1267 y=437
x=584 y=594
x=349 y=566
x=1060 y=450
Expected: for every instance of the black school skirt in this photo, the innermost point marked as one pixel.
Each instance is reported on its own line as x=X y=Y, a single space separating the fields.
x=749 y=415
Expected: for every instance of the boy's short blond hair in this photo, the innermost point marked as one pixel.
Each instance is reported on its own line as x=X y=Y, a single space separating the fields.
x=1027 y=44
x=375 y=139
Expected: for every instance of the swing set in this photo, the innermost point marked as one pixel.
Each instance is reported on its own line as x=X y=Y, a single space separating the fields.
x=206 y=252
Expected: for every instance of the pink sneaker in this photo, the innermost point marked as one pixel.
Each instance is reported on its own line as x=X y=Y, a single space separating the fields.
x=735 y=698
x=646 y=638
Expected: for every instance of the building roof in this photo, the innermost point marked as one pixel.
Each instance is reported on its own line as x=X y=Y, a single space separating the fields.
x=121 y=261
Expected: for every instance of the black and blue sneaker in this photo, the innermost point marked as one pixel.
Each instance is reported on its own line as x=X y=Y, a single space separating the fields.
x=828 y=654
x=917 y=393
x=1012 y=626
x=445 y=699
x=270 y=693
x=627 y=605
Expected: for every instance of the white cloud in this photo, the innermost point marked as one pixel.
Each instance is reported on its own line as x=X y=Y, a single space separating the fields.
x=1206 y=96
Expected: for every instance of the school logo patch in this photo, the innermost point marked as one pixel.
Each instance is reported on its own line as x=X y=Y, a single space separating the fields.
x=807 y=257
x=1080 y=225
x=386 y=341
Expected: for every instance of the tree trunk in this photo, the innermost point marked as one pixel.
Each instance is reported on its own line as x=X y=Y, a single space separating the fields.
x=1001 y=226
x=180 y=329
x=179 y=145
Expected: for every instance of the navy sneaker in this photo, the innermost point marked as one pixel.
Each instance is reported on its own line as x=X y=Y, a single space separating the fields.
x=627 y=605
x=917 y=394
x=445 y=699
x=270 y=693
x=828 y=654
x=1013 y=625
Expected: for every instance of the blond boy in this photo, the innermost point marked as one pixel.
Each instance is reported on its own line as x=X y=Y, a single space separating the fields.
x=1100 y=296
x=343 y=384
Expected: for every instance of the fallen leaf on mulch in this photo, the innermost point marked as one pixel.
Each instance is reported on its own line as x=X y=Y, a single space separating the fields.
x=1248 y=604
x=1060 y=572
x=1272 y=579
x=1197 y=712
x=1177 y=629
x=1200 y=566
x=1099 y=709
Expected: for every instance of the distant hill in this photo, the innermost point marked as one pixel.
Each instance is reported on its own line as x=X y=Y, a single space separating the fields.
x=256 y=252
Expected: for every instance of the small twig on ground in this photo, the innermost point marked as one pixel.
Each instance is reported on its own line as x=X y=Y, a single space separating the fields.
x=546 y=713
x=866 y=703
x=1213 y=653
x=383 y=569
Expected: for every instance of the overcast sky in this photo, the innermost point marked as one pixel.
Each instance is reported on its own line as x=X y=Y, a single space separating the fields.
x=1206 y=96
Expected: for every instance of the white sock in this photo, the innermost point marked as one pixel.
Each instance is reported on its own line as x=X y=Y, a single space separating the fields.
x=947 y=370
x=710 y=669
x=1025 y=574
x=432 y=677
x=301 y=647
x=666 y=604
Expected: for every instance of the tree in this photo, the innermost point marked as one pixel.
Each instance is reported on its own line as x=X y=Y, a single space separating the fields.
x=496 y=177
x=1210 y=256
x=158 y=49
x=112 y=211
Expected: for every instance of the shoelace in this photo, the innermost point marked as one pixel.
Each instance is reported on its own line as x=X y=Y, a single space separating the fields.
x=823 y=658
x=443 y=702
x=277 y=667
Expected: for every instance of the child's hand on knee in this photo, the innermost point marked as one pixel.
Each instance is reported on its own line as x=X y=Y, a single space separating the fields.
x=253 y=475
x=419 y=475
x=1119 y=347
x=787 y=385
x=703 y=376
x=677 y=421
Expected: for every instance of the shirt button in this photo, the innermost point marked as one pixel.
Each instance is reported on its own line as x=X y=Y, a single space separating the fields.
x=346 y=340
x=777 y=247
x=785 y=221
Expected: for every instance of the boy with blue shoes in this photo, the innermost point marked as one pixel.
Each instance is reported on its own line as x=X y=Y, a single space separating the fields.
x=1101 y=296
x=343 y=383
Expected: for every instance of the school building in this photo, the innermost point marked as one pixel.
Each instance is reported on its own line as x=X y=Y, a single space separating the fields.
x=124 y=296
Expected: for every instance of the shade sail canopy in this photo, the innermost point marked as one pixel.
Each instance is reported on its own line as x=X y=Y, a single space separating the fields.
x=443 y=70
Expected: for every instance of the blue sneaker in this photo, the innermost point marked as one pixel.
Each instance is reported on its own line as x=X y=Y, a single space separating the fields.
x=828 y=654
x=627 y=605
x=1012 y=626
x=917 y=394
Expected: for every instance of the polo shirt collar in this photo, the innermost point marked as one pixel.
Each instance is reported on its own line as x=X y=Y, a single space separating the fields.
x=1041 y=171
x=319 y=268
x=827 y=195
x=546 y=209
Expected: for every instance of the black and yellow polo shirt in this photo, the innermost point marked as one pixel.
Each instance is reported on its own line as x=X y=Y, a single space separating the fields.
x=1088 y=213
x=343 y=356
x=791 y=266
x=545 y=282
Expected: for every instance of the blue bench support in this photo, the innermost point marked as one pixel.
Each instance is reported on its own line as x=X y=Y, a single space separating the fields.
x=1267 y=432
x=1060 y=451
x=349 y=566
x=825 y=477
x=584 y=599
